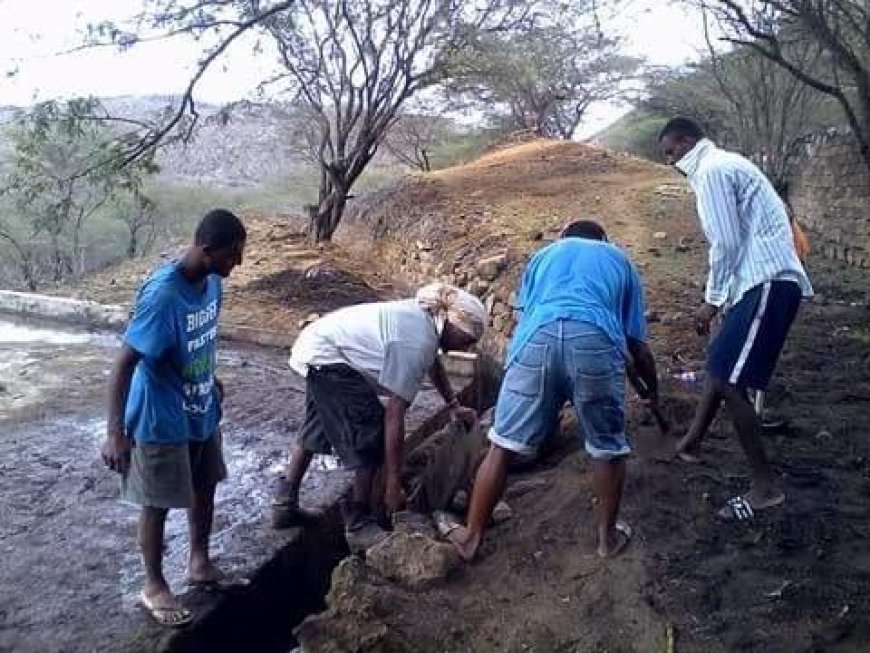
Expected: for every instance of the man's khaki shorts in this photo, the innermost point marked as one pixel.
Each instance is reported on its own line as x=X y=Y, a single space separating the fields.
x=168 y=475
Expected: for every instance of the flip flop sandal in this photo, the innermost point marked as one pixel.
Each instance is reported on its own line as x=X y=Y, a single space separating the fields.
x=622 y=528
x=737 y=509
x=169 y=617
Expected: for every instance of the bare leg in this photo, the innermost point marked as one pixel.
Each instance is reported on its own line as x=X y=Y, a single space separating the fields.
x=764 y=491
x=200 y=568
x=363 y=480
x=608 y=477
x=488 y=487
x=285 y=508
x=151 y=526
x=704 y=416
x=300 y=460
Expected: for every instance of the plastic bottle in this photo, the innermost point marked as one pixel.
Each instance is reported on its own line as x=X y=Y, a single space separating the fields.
x=689 y=377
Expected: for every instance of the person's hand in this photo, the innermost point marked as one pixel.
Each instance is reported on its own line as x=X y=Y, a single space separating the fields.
x=394 y=496
x=116 y=451
x=468 y=416
x=703 y=316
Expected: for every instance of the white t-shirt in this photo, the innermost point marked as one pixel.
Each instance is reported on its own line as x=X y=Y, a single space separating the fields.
x=393 y=344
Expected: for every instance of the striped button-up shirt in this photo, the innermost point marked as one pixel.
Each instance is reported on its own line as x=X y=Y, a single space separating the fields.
x=745 y=222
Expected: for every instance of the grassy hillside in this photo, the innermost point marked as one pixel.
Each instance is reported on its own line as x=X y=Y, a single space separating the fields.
x=634 y=133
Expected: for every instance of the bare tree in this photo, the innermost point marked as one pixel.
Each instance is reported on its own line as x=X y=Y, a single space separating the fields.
x=23 y=256
x=840 y=29
x=48 y=191
x=413 y=137
x=141 y=221
x=354 y=63
x=747 y=102
x=543 y=78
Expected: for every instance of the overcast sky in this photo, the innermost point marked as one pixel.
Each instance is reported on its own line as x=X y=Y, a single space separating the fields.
x=32 y=32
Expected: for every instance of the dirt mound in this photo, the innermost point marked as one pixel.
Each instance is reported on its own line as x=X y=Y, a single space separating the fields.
x=794 y=579
x=321 y=288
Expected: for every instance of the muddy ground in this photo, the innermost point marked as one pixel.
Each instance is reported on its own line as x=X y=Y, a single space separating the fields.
x=795 y=579
x=69 y=567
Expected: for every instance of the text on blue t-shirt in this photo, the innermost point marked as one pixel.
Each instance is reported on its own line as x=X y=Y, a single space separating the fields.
x=174 y=327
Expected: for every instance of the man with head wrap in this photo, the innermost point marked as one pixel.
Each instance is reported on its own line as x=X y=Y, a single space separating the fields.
x=348 y=357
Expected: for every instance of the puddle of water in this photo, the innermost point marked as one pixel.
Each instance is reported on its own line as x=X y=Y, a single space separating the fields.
x=13 y=333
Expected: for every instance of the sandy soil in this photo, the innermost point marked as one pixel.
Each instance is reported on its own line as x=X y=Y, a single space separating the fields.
x=795 y=579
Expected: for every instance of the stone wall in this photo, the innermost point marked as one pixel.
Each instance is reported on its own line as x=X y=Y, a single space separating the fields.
x=831 y=196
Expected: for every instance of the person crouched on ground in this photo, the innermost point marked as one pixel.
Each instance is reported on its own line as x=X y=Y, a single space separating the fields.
x=164 y=406
x=583 y=312
x=346 y=357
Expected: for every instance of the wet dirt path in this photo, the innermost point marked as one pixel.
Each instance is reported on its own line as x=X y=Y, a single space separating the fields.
x=69 y=565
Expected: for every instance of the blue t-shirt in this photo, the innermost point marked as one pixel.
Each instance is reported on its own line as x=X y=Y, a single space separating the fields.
x=173 y=398
x=585 y=280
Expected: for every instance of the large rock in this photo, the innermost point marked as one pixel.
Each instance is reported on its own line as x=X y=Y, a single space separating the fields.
x=413 y=560
x=352 y=623
x=489 y=268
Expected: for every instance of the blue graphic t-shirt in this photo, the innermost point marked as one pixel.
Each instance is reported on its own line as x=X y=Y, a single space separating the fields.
x=174 y=326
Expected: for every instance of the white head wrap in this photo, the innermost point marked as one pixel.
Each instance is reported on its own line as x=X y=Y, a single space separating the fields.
x=465 y=311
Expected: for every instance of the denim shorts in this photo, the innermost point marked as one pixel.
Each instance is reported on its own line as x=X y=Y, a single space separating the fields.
x=565 y=360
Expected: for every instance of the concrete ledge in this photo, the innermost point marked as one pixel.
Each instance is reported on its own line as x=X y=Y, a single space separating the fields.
x=112 y=317
x=63 y=309
x=253 y=335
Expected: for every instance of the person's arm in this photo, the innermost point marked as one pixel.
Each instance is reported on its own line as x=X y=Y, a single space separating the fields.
x=219 y=385
x=641 y=371
x=394 y=434
x=439 y=378
x=149 y=334
x=116 y=449
x=720 y=220
x=640 y=368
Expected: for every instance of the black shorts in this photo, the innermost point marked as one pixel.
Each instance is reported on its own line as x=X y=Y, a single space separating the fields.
x=343 y=415
x=745 y=351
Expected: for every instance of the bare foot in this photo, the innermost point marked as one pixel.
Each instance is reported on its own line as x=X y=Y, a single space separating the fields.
x=616 y=541
x=465 y=543
x=761 y=498
x=687 y=451
x=160 y=596
x=203 y=572
x=164 y=607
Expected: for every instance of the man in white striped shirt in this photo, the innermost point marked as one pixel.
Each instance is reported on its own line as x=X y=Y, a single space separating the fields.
x=755 y=280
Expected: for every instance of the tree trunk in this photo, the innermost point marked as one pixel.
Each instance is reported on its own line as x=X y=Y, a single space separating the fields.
x=132 y=244
x=324 y=220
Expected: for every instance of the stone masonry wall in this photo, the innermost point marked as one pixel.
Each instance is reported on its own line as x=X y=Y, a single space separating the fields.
x=831 y=196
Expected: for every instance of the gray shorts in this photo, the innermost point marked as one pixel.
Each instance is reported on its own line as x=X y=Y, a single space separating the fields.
x=168 y=475
x=343 y=415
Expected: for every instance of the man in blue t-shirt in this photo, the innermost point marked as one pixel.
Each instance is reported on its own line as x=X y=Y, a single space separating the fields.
x=165 y=405
x=583 y=316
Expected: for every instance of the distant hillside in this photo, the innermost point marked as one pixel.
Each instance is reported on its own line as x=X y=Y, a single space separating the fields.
x=242 y=146
x=634 y=133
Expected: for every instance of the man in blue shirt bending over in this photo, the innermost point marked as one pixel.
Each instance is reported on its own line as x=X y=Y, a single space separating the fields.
x=583 y=315
x=165 y=406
